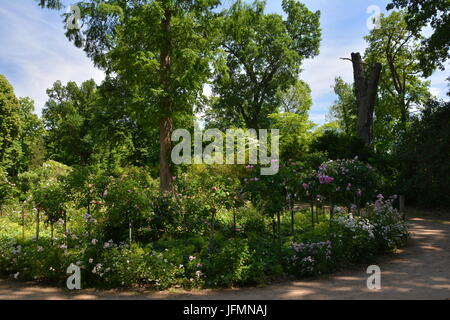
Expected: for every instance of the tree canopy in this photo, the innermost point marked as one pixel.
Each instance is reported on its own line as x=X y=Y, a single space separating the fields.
x=10 y=124
x=262 y=54
x=435 y=13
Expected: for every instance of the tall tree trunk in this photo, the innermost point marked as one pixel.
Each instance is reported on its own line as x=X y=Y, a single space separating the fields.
x=279 y=223
x=234 y=221
x=165 y=131
x=51 y=232
x=165 y=124
x=366 y=88
x=23 y=223
x=37 y=226
x=65 y=228
x=292 y=221
x=404 y=110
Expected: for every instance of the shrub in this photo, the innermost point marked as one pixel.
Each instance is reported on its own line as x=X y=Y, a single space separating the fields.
x=253 y=256
x=188 y=239
x=310 y=258
x=353 y=240
x=424 y=153
x=128 y=204
x=341 y=146
x=342 y=182
x=230 y=262
x=28 y=260
x=125 y=266
x=390 y=231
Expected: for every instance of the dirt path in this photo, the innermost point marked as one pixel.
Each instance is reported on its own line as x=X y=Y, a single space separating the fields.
x=419 y=271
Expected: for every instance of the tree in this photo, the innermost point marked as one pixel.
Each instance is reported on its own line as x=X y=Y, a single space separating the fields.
x=36 y=182
x=262 y=54
x=31 y=136
x=339 y=145
x=344 y=109
x=68 y=116
x=398 y=50
x=120 y=139
x=295 y=134
x=296 y=99
x=51 y=199
x=419 y=14
x=10 y=124
x=51 y=4
x=162 y=49
x=366 y=87
x=424 y=151
x=7 y=189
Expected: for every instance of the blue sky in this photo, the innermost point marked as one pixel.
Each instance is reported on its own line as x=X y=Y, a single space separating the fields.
x=34 y=52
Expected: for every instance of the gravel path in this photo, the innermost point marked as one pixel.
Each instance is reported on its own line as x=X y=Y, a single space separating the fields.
x=419 y=271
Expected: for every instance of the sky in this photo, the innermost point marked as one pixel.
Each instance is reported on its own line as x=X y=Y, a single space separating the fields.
x=34 y=52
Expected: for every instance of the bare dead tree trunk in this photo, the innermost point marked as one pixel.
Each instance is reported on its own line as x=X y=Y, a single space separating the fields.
x=366 y=88
x=165 y=124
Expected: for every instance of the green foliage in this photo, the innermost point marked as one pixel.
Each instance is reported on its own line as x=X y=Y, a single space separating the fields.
x=162 y=50
x=30 y=138
x=250 y=221
x=296 y=99
x=128 y=203
x=121 y=137
x=262 y=54
x=68 y=118
x=28 y=260
x=10 y=124
x=252 y=257
x=216 y=185
x=124 y=266
x=295 y=134
x=51 y=4
x=390 y=231
x=347 y=240
x=270 y=193
x=203 y=191
x=49 y=173
x=398 y=50
x=7 y=190
x=219 y=225
x=353 y=240
x=424 y=153
x=339 y=145
x=342 y=182
x=94 y=125
x=345 y=109
x=421 y=14
x=232 y=262
x=51 y=199
x=310 y=258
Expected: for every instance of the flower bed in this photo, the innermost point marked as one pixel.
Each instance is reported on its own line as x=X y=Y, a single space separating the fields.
x=215 y=261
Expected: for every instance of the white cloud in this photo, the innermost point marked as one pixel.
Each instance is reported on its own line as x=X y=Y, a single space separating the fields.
x=39 y=52
x=439 y=82
x=435 y=92
x=35 y=53
x=321 y=71
x=318 y=118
